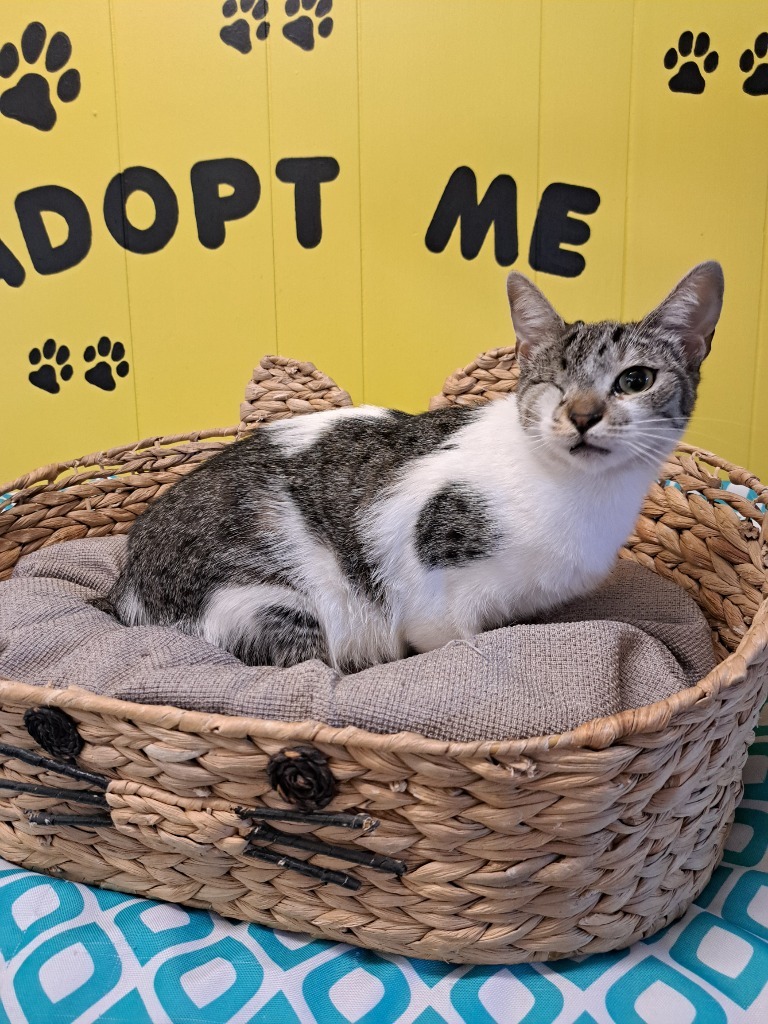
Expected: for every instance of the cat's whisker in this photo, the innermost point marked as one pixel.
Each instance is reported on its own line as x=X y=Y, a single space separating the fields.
x=701 y=420
x=650 y=453
x=651 y=438
x=659 y=441
x=541 y=441
x=641 y=428
x=660 y=433
x=641 y=449
x=640 y=444
x=668 y=430
x=656 y=419
x=647 y=458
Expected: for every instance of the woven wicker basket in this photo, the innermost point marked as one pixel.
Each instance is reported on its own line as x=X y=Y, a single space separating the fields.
x=515 y=851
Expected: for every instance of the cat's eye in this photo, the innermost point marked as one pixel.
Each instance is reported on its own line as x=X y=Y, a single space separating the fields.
x=634 y=380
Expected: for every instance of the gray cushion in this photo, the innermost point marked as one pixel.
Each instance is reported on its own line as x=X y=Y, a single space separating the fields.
x=635 y=641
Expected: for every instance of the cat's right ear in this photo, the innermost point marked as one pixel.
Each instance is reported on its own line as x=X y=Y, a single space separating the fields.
x=691 y=310
x=534 y=319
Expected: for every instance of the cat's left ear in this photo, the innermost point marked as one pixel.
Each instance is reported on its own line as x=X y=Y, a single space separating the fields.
x=692 y=309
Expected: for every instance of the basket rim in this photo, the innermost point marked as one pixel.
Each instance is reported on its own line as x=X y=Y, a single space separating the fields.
x=105 y=457
x=596 y=734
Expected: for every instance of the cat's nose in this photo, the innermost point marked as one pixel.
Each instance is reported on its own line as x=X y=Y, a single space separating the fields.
x=584 y=416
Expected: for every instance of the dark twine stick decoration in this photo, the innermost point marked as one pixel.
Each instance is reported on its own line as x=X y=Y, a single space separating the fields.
x=82 y=820
x=29 y=757
x=304 y=867
x=342 y=820
x=351 y=854
x=76 y=796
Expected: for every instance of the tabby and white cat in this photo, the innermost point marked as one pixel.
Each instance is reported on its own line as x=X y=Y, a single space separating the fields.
x=360 y=535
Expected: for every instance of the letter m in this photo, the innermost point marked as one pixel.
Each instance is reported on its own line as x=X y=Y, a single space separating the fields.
x=498 y=207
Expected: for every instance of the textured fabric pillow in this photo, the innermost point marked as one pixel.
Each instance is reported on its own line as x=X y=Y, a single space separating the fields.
x=635 y=641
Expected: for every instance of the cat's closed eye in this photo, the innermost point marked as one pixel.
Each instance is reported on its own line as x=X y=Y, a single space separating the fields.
x=634 y=380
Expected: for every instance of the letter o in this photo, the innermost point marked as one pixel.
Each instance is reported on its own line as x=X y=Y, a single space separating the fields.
x=119 y=190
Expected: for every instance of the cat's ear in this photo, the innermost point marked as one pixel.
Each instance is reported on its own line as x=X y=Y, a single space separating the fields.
x=533 y=317
x=692 y=309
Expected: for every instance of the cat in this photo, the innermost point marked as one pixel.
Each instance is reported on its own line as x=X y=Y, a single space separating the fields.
x=361 y=535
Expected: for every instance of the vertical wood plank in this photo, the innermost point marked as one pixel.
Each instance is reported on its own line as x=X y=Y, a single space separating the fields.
x=444 y=85
x=586 y=64
x=202 y=305
x=75 y=296
x=314 y=135
x=697 y=191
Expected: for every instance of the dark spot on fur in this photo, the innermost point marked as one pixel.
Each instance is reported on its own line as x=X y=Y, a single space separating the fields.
x=282 y=636
x=571 y=336
x=349 y=467
x=617 y=332
x=455 y=527
x=601 y=350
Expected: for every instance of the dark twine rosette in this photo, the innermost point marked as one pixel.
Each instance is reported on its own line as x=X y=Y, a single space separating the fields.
x=54 y=731
x=301 y=776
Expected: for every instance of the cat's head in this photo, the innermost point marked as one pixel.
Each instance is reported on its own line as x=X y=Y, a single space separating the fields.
x=604 y=395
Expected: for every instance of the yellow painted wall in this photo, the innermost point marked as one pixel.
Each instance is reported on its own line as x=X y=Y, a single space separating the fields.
x=597 y=104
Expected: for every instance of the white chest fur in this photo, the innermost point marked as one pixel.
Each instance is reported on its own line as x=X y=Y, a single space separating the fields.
x=560 y=531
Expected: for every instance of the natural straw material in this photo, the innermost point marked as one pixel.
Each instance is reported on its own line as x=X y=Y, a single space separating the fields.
x=517 y=850
x=283 y=387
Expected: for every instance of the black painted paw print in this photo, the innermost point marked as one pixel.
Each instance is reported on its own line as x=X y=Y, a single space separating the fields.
x=757 y=83
x=29 y=101
x=46 y=377
x=101 y=374
x=238 y=33
x=689 y=77
x=301 y=30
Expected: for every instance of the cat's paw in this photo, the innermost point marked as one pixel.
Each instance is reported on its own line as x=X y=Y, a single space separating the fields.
x=52 y=363
x=29 y=100
x=301 y=31
x=112 y=354
x=757 y=83
x=237 y=33
x=689 y=77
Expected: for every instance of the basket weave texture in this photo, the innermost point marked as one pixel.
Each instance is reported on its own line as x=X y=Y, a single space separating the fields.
x=516 y=850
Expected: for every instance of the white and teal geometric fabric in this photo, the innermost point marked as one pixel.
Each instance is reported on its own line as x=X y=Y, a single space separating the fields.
x=70 y=954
